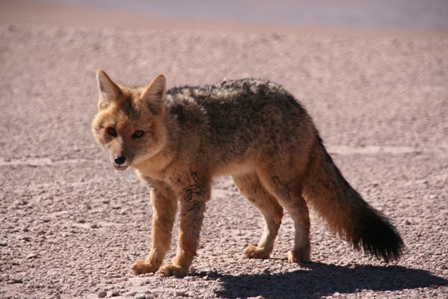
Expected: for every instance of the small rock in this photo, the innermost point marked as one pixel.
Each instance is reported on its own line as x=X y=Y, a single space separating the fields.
x=140 y=296
x=3 y=242
x=24 y=238
x=115 y=294
x=182 y=294
x=407 y=222
x=31 y=256
x=102 y=294
x=94 y=225
x=15 y=279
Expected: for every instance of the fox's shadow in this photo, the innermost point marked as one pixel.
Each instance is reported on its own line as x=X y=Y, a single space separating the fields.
x=318 y=280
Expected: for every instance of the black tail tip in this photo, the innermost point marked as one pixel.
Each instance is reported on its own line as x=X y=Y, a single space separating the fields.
x=380 y=239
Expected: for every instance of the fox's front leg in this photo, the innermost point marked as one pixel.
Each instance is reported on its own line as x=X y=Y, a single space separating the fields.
x=192 y=199
x=164 y=204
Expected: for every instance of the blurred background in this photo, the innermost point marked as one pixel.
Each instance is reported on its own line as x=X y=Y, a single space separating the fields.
x=282 y=16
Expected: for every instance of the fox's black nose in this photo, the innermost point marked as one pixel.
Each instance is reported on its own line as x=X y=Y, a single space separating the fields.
x=119 y=160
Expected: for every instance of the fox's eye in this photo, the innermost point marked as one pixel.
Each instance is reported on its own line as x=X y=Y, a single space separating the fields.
x=112 y=132
x=138 y=134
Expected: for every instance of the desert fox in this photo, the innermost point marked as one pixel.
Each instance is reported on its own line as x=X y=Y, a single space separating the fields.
x=179 y=139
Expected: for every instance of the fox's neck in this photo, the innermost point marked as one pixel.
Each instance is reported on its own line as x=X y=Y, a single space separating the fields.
x=156 y=165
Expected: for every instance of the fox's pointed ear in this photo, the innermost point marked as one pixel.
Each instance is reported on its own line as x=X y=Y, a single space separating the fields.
x=109 y=90
x=154 y=94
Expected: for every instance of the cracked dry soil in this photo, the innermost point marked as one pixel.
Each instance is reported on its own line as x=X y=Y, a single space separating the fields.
x=70 y=226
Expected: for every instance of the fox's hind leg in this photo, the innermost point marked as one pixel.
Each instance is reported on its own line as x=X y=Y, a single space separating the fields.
x=289 y=193
x=251 y=187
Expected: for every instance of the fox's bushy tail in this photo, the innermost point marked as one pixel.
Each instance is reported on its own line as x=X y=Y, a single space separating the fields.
x=345 y=211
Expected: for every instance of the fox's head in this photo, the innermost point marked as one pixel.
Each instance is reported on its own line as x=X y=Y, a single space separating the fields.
x=129 y=122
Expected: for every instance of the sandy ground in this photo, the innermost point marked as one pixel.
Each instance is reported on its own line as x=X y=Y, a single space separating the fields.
x=70 y=226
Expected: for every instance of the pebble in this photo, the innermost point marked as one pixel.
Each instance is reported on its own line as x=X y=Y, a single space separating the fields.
x=15 y=279
x=31 y=256
x=140 y=296
x=20 y=202
x=102 y=294
x=24 y=238
x=3 y=242
x=115 y=294
x=182 y=294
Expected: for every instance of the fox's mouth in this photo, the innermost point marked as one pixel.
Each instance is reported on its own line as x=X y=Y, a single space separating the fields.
x=120 y=167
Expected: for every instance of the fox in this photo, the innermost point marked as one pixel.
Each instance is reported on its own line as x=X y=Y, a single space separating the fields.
x=179 y=139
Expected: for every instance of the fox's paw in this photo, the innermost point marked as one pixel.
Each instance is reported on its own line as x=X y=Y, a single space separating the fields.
x=141 y=267
x=173 y=270
x=254 y=252
x=299 y=256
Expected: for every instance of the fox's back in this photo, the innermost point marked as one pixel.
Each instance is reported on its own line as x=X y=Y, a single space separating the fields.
x=245 y=103
x=235 y=116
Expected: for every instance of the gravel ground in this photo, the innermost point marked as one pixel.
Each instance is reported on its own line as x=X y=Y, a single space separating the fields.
x=71 y=226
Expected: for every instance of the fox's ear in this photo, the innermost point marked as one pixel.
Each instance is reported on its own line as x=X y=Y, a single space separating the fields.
x=154 y=94
x=109 y=90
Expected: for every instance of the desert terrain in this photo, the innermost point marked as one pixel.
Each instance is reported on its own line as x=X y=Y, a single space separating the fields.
x=71 y=226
